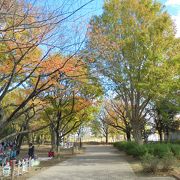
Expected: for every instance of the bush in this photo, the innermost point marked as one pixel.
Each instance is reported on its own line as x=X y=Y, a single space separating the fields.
x=154 y=157
x=168 y=161
x=140 y=151
x=176 y=141
x=131 y=148
x=161 y=150
x=175 y=150
x=116 y=144
x=125 y=146
x=120 y=145
x=137 y=150
x=150 y=148
x=150 y=163
x=153 y=164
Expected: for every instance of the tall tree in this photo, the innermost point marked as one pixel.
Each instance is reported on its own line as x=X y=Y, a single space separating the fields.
x=70 y=100
x=133 y=45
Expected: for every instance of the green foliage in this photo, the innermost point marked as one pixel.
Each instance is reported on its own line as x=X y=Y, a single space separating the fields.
x=154 y=157
x=168 y=161
x=132 y=148
x=175 y=148
x=153 y=163
x=150 y=163
x=166 y=109
x=140 y=151
x=176 y=141
x=158 y=150
x=133 y=45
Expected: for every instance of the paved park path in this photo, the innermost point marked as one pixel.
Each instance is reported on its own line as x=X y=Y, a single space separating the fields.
x=97 y=163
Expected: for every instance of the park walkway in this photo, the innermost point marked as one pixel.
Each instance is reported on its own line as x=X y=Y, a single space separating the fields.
x=97 y=163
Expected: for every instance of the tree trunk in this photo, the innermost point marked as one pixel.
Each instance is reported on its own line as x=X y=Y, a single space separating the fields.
x=28 y=138
x=80 y=143
x=160 y=135
x=137 y=134
x=167 y=134
x=53 y=141
x=57 y=141
x=19 y=142
x=107 y=138
x=128 y=135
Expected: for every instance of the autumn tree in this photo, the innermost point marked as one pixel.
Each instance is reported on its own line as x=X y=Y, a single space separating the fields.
x=70 y=100
x=27 y=37
x=133 y=45
x=117 y=117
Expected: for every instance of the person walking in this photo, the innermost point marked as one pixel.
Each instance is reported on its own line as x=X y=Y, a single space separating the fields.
x=31 y=151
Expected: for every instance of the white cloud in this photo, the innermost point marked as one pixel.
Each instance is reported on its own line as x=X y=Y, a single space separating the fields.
x=177 y=22
x=176 y=18
x=172 y=3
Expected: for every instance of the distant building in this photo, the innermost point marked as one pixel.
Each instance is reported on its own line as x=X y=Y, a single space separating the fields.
x=173 y=135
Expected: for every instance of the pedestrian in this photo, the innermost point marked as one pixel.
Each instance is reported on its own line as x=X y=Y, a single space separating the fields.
x=31 y=151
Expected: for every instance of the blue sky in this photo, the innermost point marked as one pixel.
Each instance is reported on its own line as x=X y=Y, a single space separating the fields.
x=172 y=6
x=95 y=8
x=75 y=26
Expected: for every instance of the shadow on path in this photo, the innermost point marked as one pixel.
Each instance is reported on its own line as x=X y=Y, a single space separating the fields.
x=99 y=162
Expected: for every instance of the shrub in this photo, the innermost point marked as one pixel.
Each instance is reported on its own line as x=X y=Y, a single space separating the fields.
x=168 y=161
x=116 y=144
x=140 y=151
x=150 y=163
x=125 y=146
x=120 y=145
x=150 y=148
x=175 y=148
x=161 y=150
x=176 y=141
x=137 y=150
x=130 y=147
x=154 y=157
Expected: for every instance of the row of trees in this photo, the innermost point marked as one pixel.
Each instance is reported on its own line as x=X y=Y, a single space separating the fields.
x=41 y=89
x=134 y=49
x=131 y=49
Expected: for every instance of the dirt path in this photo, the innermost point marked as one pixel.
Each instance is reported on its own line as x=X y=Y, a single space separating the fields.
x=97 y=163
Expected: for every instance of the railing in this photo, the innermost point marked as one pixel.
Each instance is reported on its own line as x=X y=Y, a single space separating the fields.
x=14 y=168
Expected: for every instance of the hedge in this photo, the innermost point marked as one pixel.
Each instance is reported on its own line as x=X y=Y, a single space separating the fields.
x=159 y=150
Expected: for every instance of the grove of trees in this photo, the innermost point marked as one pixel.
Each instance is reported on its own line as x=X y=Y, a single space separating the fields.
x=42 y=88
x=134 y=48
x=52 y=86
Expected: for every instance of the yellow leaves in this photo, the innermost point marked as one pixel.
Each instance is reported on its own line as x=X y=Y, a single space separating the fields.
x=81 y=104
x=6 y=66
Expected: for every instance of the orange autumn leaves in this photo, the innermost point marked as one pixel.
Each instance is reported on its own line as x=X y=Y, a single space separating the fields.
x=49 y=70
x=56 y=66
x=57 y=63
